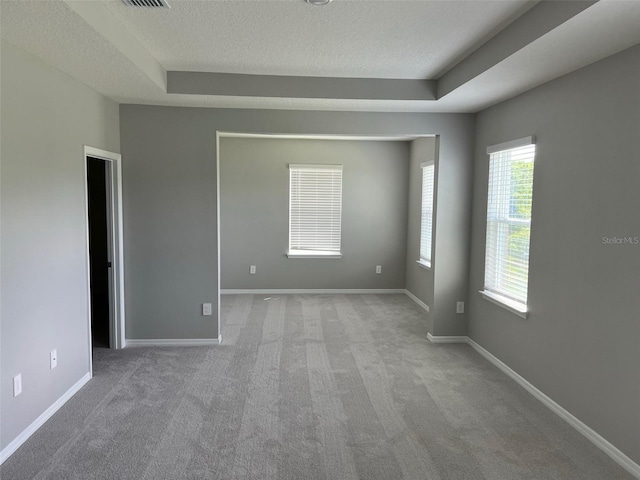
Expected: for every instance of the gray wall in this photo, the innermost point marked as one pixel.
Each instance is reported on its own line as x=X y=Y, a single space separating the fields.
x=254 y=202
x=169 y=181
x=581 y=342
x=419 y=280
x=450 y=261
x=438 y=286
x=47 y=117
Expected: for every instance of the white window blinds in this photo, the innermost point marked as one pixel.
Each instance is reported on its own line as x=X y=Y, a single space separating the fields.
x=426 y=224
x=509 y=220
x=315 y=208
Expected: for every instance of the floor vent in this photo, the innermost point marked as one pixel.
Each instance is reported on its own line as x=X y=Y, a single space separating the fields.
x=147 y=3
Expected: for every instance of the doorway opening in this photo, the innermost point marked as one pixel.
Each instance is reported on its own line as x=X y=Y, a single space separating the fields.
x=257 y=226
x=100 y=251
x=104 y=249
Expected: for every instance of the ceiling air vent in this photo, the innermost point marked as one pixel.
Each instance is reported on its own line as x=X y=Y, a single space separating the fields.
x=147 y=3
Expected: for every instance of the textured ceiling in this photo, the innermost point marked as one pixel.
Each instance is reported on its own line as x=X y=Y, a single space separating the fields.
x=103 y=45
x=604 y=29
x=371 y=39
x=51 y=31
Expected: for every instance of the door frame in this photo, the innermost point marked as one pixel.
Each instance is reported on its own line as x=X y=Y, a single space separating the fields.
x=115 y=230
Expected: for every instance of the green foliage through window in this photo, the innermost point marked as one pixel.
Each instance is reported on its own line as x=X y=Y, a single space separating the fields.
x=509 y=222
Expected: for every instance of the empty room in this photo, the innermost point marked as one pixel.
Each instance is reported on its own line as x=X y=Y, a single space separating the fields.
x=320 y=239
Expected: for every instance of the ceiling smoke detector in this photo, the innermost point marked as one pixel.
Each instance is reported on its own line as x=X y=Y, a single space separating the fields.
x=317 y=2
x=147 y=3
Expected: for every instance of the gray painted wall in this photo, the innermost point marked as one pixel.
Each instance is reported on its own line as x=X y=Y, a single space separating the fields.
x=419 y=280
x=254 y=201
x=438 y=286
x=169 y=181
x=452 y=233
x=240 y=85
x=47 y=117
x=581 y=342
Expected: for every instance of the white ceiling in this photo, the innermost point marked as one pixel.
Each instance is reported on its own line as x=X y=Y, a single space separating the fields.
x=347 y=38
x=124 y=52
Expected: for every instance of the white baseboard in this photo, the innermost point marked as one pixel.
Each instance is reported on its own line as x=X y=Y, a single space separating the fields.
x=607 y=447
x=38 y=422
x=417 y=300
x=619 y=457
x=311 y=291
x=616 y=455
x=447 y=339
x=172 y=342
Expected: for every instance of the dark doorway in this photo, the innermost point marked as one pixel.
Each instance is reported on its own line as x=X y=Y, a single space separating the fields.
x=99 y=250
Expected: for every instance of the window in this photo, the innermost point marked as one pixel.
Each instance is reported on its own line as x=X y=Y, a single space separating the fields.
x=426 y=224
x=315 y=210
x=509 y=223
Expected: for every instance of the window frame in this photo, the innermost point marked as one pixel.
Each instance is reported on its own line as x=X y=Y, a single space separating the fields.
x=309 y=252
x=503 y=297
x=427 y=260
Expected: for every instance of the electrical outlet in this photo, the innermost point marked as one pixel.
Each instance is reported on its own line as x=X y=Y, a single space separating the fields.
x=17 y=385
x=206 y=309
x=53 y=357
x=252 y=269
x=378 y=268
x=460 y=307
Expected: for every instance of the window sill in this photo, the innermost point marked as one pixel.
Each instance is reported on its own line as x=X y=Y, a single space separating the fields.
x=312 y=254
x=519 y=309
x=424 y=264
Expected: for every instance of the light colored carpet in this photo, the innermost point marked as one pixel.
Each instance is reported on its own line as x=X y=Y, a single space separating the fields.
x=309 y=387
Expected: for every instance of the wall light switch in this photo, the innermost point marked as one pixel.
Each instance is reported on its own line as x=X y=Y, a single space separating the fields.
x=460 y=307
x=252 y=269
x=53 y=357
x=378 y=268
x=206 y=309
x=17 y=385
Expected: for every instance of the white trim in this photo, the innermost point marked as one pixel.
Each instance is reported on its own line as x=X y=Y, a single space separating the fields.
x=447 y=338
x=518 y=142
x=427 y=164
x=310 y=254
x=616 y=455
x=417 y=300
x=506 y=303
x=172 y=342
x=373 y=138
x=117 y=326
x=311 y=291
x=598 y=440
x=218 y=269
x=315 y=166
x=87 y=260
x=46 y=415
x=424 y=263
